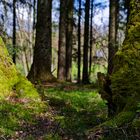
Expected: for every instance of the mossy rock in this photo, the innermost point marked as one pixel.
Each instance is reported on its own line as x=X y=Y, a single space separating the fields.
x=8 y=73
x=126 y=75
x=11 y=80
x=19 y=100
x=125 y=84
x=113 y=127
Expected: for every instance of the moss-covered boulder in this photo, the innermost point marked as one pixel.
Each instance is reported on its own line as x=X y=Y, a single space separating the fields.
x=20 y=103
x=125 y=85
x=11 y=81
x=126 y=77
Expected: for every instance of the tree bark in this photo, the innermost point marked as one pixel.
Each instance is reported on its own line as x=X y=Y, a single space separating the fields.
x=41 y=67
x=62 y=42
x=112 y=46
x=14 y=31
x=69 y=39
x=125 y=77
x=86 y=43
x=91 y=38
x=79 y=43
x=127 y=60
x=125 y=84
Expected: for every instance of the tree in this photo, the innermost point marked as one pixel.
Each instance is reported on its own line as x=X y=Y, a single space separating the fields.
x=125 y=81
x=14 y=31
x=91 y=38
x=79 y=43
x=65 y=40
x=113 y=22
x=41 y=67
x=126 y=70
x=69 y=38
x=127 y=6
x=86 y=43
x=62 y=42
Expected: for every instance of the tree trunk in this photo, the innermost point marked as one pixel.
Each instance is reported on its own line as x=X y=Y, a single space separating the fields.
x=86 y=43
x=41 y=67
x=79 y=43
x=14 y=31
x=62 y=42
x=69 y=39
x=91 y=38
x=33 y=28
x=34 y=14
x=126 y=71
x=125 y=77
x=112 y=46
x=125 y=84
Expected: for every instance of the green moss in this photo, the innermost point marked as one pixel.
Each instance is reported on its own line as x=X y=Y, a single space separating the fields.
x=13 y=114
x=19 y=100
x=125 y=80
x=11 y=80
x=126 y=76
x=25 y=89
x=113 y=128
x=8 y=73
x=136 y=123
x=120 y=120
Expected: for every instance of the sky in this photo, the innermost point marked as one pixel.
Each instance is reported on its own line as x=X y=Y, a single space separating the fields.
x=101 y=15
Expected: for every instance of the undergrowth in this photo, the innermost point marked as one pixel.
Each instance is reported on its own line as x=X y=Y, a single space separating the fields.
x=78 y=108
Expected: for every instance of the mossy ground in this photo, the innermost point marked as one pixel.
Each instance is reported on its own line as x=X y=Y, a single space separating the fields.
x=19 y=100
x=77 y=107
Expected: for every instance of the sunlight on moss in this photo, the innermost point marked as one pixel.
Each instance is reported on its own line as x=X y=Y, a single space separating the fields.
x=19 y=100
x=74 y=105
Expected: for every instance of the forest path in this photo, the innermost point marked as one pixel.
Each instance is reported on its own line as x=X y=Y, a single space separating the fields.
x=71 y=110
x=75 y=109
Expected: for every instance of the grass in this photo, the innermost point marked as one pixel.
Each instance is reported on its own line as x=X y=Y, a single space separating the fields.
x=79 y=108
x=76 y=109
x=12 y=115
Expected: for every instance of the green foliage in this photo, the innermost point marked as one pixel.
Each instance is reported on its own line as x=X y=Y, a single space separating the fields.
x=119 y=120
x=126 y=77
x=25 y=89
x=95 y=69
x=80 y=108
x=52 y=137
x=125 y=84
x=19 y=100
x=8 y=73
x=12 y=115
x=11 y=80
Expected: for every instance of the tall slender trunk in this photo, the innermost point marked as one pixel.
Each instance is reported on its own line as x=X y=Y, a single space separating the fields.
x=34 y=14
x=62 y=42
x=79 y=43
x=91 y=38
x=14 y=31
x=127 y=6
x=30 y=41
x=86 y=43
x=33 y=29
x=69 y=39
x=112 y=46
x=41 y=67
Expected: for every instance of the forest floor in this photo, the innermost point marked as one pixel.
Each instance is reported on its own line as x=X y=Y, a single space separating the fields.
x=71 y=111
x=75 y=109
